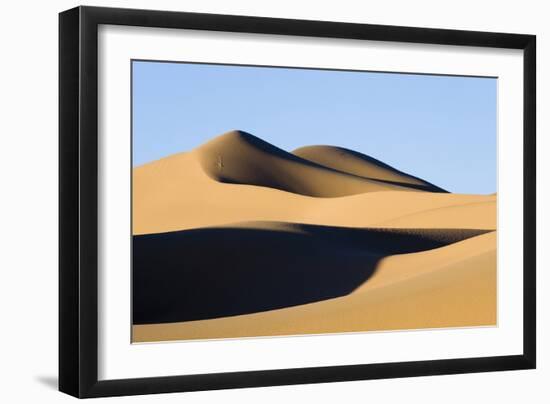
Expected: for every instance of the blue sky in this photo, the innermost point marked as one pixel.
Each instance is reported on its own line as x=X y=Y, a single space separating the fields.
x=439 y=128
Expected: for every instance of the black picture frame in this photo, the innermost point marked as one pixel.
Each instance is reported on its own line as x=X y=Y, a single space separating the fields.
x=78 y=201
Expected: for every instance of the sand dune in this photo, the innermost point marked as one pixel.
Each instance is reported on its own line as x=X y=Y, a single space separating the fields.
x=252 y=267
x=452 y=286
x=167 y=190
x=352 y=162
x=239 y=238
x=240 y=158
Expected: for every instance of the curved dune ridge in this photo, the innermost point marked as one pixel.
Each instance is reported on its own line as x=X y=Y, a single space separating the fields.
x=238 y=238
x=352 y=162
x=238 y=157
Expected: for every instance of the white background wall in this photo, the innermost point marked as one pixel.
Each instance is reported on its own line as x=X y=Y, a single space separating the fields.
x=28 y=184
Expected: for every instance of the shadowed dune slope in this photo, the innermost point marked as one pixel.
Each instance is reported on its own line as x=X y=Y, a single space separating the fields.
x=450 y=286
x=238 y=157
x=352 y=162
x=253 y=267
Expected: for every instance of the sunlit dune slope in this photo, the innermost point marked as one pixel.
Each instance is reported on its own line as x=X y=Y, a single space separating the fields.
x=175 y=194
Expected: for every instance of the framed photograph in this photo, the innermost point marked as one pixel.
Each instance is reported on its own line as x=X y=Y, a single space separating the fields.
x=251 y=201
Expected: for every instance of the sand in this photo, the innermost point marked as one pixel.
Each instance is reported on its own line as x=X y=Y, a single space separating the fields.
x=352 y=162
x=178 y=192
x=240 y=158
x=238 y=238
x=453 y=286
x=262 y=266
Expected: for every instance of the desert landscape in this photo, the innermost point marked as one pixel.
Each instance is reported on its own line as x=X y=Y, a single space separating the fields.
x=239 y=238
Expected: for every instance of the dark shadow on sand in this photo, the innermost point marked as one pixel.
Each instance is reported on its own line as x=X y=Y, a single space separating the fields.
x=217 y=272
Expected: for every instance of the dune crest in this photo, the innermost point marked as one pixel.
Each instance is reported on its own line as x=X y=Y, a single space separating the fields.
x=238 y=157
x=238 y=177
x=352 y=162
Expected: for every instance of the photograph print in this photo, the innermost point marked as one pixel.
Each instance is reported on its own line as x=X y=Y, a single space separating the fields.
x=284 y=201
